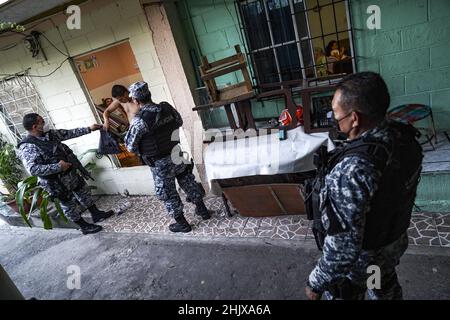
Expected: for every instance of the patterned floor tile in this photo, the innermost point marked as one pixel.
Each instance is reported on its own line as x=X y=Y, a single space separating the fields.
x=236 y=222
x=146 y=214
x=219 y=232
x=423 y=232
x=202 y=231
x=442 y=221
x=282 y=232
x=251 y=227
x=265 y=232
x=423 y=215
x=267 y=222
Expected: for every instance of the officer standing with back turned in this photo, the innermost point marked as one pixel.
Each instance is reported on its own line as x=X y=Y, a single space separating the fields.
x=153 y=135
x=58 y=170
x=365 y=191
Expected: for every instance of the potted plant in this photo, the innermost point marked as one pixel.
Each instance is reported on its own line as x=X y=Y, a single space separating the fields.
x=30 y=191
x=11 y=172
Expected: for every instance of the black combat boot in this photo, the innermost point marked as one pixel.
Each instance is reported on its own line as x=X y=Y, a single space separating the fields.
x=202 y=211
x=98 y=215
x=181 y=225
x=87 y=228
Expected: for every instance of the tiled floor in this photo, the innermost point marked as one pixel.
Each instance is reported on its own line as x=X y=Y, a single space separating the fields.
x=147 y=215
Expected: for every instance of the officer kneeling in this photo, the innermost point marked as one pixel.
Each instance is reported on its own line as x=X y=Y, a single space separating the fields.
x=58 y=169
x=151 y=136
x=363 y=195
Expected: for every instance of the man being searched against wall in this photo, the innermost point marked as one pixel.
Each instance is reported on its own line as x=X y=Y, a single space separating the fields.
x=362 y=197
x=151 y=136
x=59 y=171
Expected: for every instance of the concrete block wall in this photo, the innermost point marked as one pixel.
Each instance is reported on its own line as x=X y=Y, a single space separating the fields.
x=411 y=51
x=216 y=26
x=103 y=22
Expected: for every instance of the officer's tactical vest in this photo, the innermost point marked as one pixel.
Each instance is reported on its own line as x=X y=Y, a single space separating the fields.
x=391 y=206
x=158 y=142
x=54 y=150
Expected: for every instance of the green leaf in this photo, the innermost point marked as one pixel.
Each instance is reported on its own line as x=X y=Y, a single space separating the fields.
x=89 y=166
x=93 y=151
x=19 y=201
x=30 y=182
x=44 y=214
x=86 y=152
x=37 y=194
x=60 y=211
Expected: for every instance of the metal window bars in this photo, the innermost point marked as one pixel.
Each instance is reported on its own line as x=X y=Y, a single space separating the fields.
x=18 y=96
x=286 y=39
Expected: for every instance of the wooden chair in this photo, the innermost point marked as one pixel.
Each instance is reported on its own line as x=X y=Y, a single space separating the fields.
x=238 y=94
x=211 y=70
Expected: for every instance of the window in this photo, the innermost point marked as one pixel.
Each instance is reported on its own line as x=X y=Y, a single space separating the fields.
x=297 y=39
x=17 y=98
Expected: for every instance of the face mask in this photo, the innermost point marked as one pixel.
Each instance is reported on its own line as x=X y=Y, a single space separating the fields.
x=339 y=134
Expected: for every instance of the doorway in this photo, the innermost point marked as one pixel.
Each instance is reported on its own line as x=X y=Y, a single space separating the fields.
x=100 y=70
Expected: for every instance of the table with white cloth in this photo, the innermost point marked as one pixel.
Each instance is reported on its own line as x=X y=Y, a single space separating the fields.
x=263 y=175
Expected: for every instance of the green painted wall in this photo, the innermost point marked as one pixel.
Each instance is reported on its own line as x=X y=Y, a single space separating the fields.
x=411 y=51
x=216 y=30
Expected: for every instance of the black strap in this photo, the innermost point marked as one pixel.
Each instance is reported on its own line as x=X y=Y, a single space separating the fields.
x=46 y=145
x=376 y=152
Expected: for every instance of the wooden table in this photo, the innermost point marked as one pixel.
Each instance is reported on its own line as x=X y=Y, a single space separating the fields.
x=243 y=108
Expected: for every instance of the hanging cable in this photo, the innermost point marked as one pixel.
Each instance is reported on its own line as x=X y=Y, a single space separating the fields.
x=38 y=76
x=33 y=40
x=47 y=75
x=54 y=46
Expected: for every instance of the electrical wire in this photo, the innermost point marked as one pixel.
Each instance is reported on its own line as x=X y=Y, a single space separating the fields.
x=41 y=34
x=234 y=22
x=54 y=46
x=35 y=47
x=47 y=75
x=38 y=76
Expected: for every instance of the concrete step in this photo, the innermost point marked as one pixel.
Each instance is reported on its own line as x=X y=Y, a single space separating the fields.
x=433 y=193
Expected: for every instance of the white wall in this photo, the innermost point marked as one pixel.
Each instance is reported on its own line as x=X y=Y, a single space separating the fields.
x=104 y=91
x=103 y=22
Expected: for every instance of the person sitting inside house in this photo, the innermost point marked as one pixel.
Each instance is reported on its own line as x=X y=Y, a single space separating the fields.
x=120 y=100
x=333 y=55
x=332 y=50
x=321 y=62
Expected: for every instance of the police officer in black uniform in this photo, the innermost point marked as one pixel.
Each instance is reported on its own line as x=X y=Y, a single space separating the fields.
x=58 y=170
x=362 y=198
x=153 y=135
